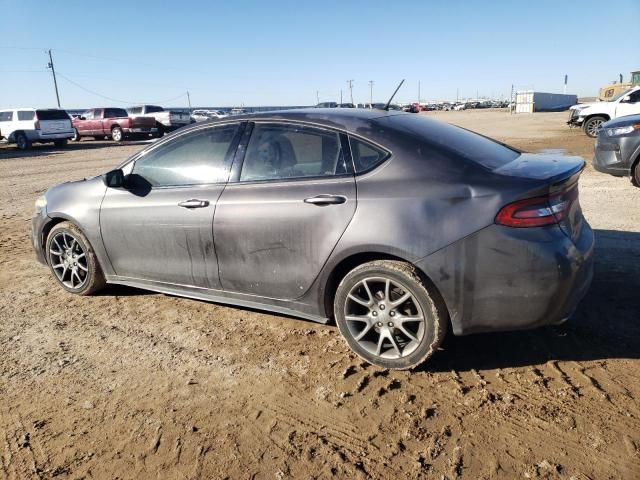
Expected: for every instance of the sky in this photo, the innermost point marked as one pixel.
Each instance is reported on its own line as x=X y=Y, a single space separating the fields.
x=273 y=53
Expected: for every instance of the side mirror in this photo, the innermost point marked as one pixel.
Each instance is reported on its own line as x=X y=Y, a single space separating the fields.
x=81 y=117
x=114 y=178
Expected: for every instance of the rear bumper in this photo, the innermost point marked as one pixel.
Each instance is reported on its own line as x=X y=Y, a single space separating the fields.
x=503 y=278
x=35 y=136
x=140 y=130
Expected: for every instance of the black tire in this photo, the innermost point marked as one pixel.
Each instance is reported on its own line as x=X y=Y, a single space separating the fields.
x=635 y=174
x=405 y=280
x=60 y=143
x=76 y=136
x=160 y=132
x=92 y=279
x=117 y=135
x=592 y=125
x=22 y=142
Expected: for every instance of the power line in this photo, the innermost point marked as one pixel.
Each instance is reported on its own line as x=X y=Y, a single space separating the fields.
x=110 y=98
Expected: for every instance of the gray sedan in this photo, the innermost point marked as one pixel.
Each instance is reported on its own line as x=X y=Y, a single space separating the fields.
x=617 y=149
x=395 y=226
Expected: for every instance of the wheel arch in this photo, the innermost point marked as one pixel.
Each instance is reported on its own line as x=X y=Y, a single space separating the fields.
x=603 y=115
x=348 y=263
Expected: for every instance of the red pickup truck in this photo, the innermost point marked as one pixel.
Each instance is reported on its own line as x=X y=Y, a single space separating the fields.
x=112 y=122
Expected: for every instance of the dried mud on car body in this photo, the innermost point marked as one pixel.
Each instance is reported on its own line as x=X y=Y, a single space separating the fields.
x=132 y=384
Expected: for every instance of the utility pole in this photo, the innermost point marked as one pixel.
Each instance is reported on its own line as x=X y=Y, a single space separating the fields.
x=317 y=97
x=189 y=101
x=340 y=96
x=457 y=94
x=371 y=94
x=418 y=92
x=350 y=82
x=55 y=83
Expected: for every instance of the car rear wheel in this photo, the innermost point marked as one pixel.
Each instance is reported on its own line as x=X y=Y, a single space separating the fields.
x=116 y=134
x=387 y=316
x=72 y=261
x=592 y=125
x=22 y=142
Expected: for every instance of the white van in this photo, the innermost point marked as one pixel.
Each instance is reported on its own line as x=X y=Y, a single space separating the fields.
x=24 y=126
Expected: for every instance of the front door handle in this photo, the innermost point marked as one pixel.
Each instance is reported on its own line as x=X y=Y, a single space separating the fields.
x=194 y=203
x=325 y=199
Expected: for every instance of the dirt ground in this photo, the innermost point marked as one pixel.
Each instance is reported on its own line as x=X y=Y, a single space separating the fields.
x=132 y=384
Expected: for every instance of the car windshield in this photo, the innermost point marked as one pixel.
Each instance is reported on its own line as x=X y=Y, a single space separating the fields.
x=621 y=94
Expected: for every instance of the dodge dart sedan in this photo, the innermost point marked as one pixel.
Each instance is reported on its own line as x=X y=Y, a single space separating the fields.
x=395 y=226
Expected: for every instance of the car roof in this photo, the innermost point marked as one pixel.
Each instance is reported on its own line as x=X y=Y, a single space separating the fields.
x=342 y=118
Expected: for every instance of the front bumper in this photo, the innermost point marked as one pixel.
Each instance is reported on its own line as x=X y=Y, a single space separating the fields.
x=36 y=136
x=38 y=224
x=608 y=158
x=503 y=278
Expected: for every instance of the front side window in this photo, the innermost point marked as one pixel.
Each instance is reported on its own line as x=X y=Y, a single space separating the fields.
x=277 y=152
x=25 y=115
x=197 y=158
x=88 y=115
x=6 y=116
x=634 y=97
x=135 y=110
x=365 y=155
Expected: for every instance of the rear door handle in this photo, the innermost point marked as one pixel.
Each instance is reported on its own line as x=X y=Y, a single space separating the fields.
x=194 y=203
x=325 y=199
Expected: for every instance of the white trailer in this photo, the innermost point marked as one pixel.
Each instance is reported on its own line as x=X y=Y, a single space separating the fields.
x=528 y=101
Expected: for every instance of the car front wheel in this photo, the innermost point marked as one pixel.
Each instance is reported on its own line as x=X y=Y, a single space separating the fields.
x=635 y=174
x=72 y=261
x=592 y=126
x=387 y=316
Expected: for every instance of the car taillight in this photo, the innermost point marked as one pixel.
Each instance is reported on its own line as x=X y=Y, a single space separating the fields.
x=538 y=211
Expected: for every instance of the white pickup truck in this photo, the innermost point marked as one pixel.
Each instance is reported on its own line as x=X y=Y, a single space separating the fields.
x=166 y=121
x=590 y=116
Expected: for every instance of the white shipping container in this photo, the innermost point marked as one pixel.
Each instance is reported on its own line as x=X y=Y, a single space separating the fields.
x=528 y=101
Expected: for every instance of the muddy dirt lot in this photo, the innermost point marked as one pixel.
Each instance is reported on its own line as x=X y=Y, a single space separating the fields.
x=131 y=384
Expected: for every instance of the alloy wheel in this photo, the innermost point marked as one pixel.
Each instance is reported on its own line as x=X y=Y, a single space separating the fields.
x=593 y=127
x=384 y=317
x=68 y=260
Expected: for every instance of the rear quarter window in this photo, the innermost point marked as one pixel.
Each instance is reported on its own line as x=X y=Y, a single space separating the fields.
x=25 y=115
x=52 y=115
x=366 y=156
x=455 y=141
x=6 y=116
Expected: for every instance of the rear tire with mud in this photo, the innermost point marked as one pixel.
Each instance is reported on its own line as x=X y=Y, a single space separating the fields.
x=635 y=174
x=387 y=315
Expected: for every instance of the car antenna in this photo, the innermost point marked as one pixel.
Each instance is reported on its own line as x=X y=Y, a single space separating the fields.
x=386 y=107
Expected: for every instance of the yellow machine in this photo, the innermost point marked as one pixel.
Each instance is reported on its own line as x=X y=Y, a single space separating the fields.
x=609 y=91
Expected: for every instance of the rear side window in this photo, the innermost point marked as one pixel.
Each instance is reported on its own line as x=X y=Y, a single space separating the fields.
x=6 y=116
x=26 y=115
x=135 y=110
x=115 y=113
x=194 y=159
x=365 y=155
x=52 y=115
x=154 y=109
x=278 y=151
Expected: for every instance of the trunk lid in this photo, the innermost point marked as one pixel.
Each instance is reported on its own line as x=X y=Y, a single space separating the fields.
x=557 y=176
